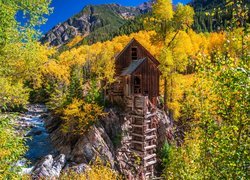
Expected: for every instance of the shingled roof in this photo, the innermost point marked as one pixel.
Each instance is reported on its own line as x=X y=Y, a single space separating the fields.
x=133 y=66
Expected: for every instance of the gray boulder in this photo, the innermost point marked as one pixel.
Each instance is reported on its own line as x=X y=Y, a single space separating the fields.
x=49 y=167
x=78 y=168
x=82 y=149
x=95 y=143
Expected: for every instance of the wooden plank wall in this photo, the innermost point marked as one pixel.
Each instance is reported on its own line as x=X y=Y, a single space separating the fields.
x=143 y=133
x=150 y=79
x=124 y=60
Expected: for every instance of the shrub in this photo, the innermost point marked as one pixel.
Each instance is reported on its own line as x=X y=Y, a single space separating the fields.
x=12 y=95
x=97 y=171
x=117 y=140
x=94 y=94
x=11 y=149
x=79 y=116
x=164 y=155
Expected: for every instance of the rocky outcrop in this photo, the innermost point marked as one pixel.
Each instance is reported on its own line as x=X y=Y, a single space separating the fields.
x=78 y=168
x=49 y=167
x=146 y=6
x=93 y=18
x=83 y=149
x=117 y=126
x=89 y=20
x=109 y=140
x=95 y=143
x=164 y=130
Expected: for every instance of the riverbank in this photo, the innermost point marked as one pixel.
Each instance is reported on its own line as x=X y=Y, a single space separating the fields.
x=31 y=125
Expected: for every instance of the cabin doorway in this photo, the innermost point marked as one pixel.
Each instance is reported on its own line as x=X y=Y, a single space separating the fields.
x=137 y=84
x=127 y=88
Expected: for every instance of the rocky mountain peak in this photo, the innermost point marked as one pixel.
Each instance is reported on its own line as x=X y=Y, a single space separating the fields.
x=146 y=6
x=93 y=18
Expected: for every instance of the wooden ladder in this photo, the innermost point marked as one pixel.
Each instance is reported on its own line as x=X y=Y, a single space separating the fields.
x=144 y=133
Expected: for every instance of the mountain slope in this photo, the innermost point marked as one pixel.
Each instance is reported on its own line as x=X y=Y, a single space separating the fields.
x=213 y=15
x=101 y=19
x=103 y=22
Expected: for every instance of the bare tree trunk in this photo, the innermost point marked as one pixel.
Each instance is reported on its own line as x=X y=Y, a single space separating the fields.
x=165 y=94
x=171 y=113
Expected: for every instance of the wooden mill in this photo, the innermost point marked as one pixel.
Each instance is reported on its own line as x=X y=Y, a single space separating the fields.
x=137 y=87
x=136 y=73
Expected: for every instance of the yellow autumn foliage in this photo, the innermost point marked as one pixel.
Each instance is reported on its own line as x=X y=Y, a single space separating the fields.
x=199 y=43
x=55 y=70
x=99 y=57
x=188 y=49
x=79 y=116
x=180 y=85
x=164 y=9
x=11 y=148
x=216 y=41
x=76 y=40
x=97 y=171
x=12 y=94
x=183 y=16
x=185 y=159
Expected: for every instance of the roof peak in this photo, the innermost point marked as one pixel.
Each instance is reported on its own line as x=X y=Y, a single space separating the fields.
x=135 y=40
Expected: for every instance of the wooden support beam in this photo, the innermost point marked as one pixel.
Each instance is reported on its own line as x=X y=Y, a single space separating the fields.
x=137 y=126
x=150 y=115
x=139 y=152
x=150 y=147
x=137 y=116
x=150 y=130
x=148 y=174
x=138 y=142
x=149 y=157
x=142 y=120
x=150 y=137
x=150 y=163
x=138 y=135
x=148 y=121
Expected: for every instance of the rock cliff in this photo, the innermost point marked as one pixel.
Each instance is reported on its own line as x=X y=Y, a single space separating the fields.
x=107 y=140
x=94 y=18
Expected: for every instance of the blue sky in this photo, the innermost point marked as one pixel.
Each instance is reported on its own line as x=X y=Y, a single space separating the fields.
x=64 y=9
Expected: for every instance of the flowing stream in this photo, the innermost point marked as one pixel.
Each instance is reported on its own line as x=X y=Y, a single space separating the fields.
x=38 y=142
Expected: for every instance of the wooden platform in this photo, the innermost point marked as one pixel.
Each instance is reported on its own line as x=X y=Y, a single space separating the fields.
x=143 y=132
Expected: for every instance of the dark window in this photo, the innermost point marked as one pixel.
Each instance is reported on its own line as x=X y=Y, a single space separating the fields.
x=137 y=84
x=146 y=93
x=134 y=53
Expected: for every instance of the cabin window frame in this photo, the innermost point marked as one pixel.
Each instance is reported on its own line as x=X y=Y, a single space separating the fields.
x=134 y=53
x=137 y=88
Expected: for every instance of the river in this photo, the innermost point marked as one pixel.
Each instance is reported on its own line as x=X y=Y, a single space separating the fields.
x=38 y=140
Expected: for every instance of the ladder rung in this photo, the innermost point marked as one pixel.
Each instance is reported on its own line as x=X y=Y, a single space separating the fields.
x=150 y=147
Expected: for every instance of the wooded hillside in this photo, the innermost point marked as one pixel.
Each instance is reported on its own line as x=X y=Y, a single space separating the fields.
x=204 y=87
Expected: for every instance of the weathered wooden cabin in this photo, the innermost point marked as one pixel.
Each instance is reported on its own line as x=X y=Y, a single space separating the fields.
x=137 y=73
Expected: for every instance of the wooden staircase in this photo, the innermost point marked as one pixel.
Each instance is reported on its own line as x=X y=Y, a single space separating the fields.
x=143 y=133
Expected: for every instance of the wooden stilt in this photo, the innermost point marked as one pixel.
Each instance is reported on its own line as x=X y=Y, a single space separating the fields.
x=143 y=133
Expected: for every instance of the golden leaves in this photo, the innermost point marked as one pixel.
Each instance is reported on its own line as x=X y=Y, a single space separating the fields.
x=11 y=148
x=12 y=94
x=79 y=116
x=184 y=16
x=75 y=41
x=163 y=9
x=216 y=41
x=97 y=171
x=57 y=71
